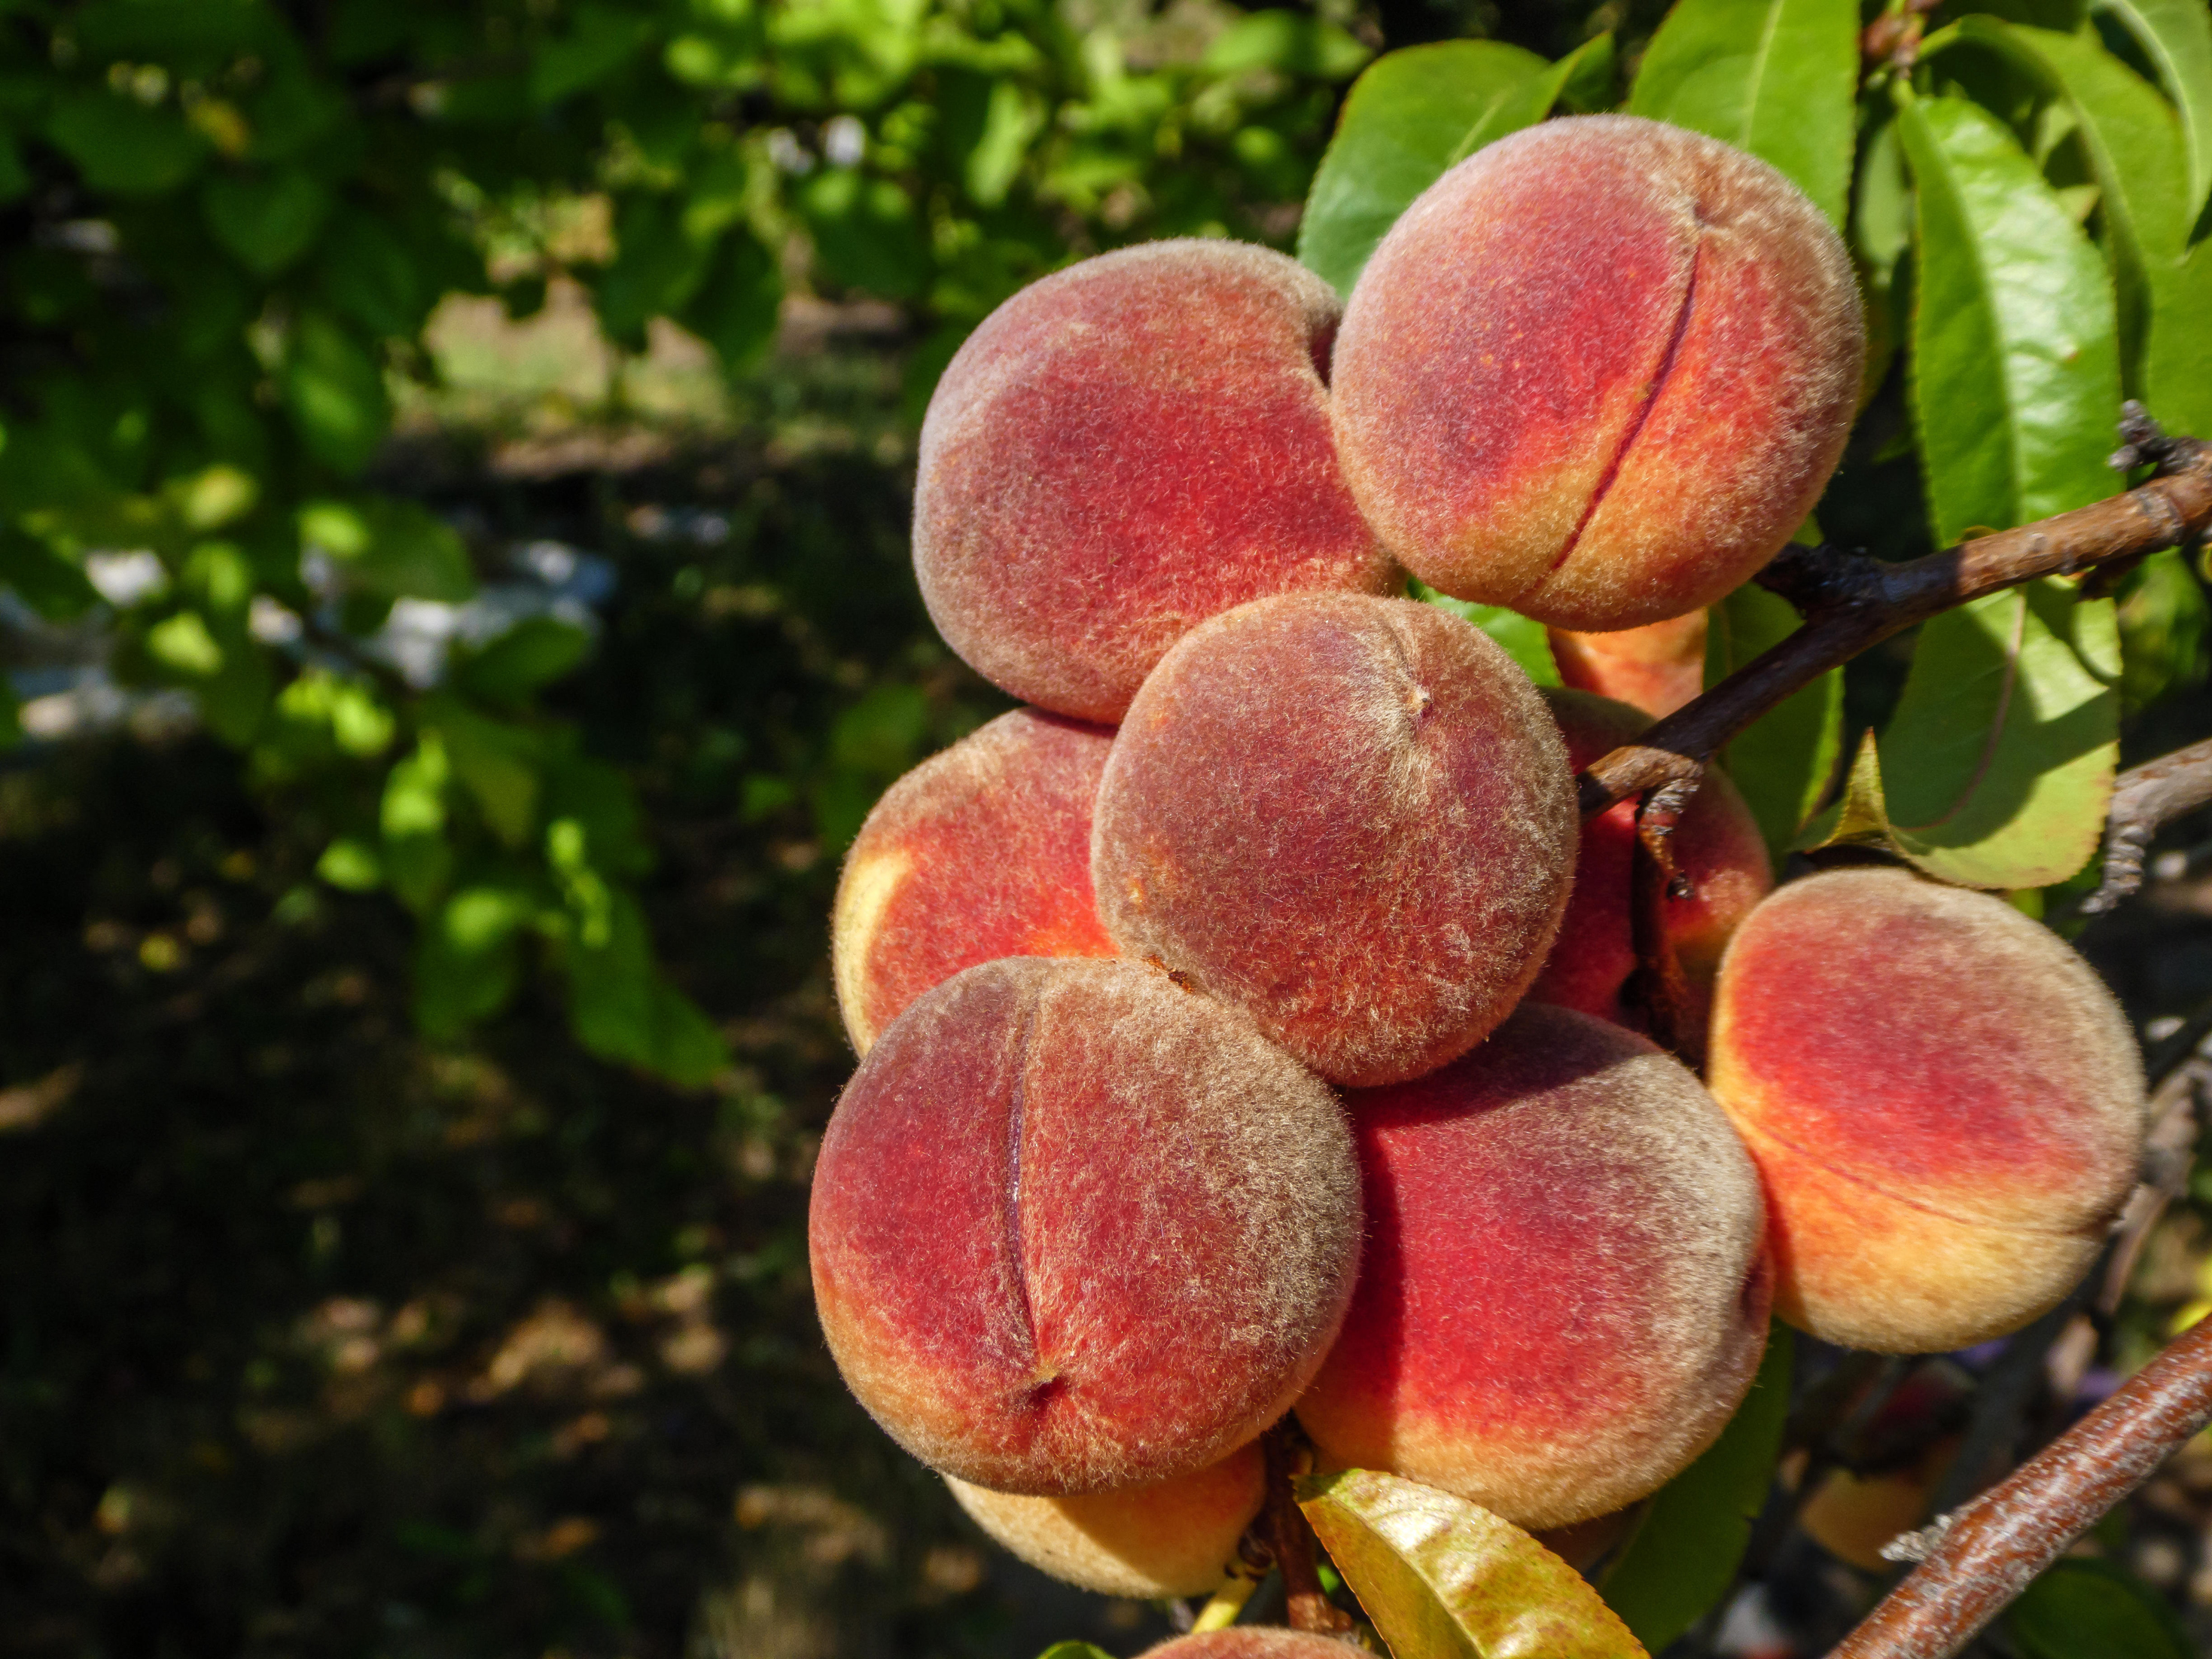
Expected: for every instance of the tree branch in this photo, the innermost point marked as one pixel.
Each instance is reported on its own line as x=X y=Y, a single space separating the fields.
x=1852 y=602
x=1979 y=1558
x=2145 y=800
x=1290 y=1537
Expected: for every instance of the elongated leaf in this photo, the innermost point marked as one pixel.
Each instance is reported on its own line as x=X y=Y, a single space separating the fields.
x=2177 y=36
x=2134 y=144
x=1776 y=77
x=2017 y=383
x=2092 y=1610
x=1684 y=1554
x=1412 y=114
x=1997 y=768
x=1783 y=762
x=1441 y=1576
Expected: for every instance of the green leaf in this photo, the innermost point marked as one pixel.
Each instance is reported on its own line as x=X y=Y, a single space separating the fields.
x=496 y=761
x=601 y=40
x=1783 y=763
x=2093 y=1610
x=2134 y=146
x=2016 y=384
x=866 y=232
x=184 y=644
x=122 y=145
x=531 y=653
x=1997 y=768
x=50 y=585
x=657 y=268
x=1779 y=78
x=334 y=389
x=417 y=861
x=2164 y=620
x=352 y=863
x=1287 y=42
x=1074 y=1650
x=1441 y=1576
x=1525 y=641
x=269 y=222
x=623 y=1010
x=467 y=961
x=1412 y=114
x=1683 y=1556
x=736 y=308
x=390 y=548
x=2177 y=36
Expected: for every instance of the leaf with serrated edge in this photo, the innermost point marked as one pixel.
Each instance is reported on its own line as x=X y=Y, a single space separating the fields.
x=2176 y=37
x=2016 y=370
x=1779 y=78
x=1683 y=1554
x=1441 y=1576
x=1411 y=115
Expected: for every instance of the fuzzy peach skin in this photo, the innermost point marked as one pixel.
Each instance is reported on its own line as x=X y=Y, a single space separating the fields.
x=981 y=852
x=1598 y=372
x=1074 y=1228
x=1564 y=1290
x=1717 y=845
x=1124 y=449
x=1351 y=818
x=1175 y=1538
x=1250 y=1642
x=1945 y=1103
x=1657 y=668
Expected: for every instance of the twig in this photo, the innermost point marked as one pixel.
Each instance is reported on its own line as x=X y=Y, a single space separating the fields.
x=2145 y=800
x=1850 y=602
x=1309 y=1607
x=1978 y=1558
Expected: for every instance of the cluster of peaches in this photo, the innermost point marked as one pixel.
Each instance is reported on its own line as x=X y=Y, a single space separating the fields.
x=1248 y=1025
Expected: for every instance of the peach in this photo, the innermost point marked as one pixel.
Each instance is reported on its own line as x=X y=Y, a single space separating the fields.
x=1250 y=1642
x=1716 y=846
x=1564 y=1293
x=1074 y=1228
x=1657 y=668
x=1598 y=372
x=1945 y=1103
x=1175 y=1538
x=1349 y=816
x=1124 y=449
x=979 y=852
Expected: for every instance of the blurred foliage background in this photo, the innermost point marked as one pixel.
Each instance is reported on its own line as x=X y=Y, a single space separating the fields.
x=453 y=529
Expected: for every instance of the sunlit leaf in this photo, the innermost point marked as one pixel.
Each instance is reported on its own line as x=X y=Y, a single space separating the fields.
x=1683 y=1555
x=1997 y=768
x=1413 y=113
x=1779 y=78
x=1441 y=1576
x=2176 y=37
x=2016 y=382
x=1525 y=641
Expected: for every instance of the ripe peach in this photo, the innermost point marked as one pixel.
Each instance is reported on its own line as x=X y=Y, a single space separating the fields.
x=1945 y=1103
x=1121 y=450
x=981 y=852
x=1717 y=845
x=1349 y=816
x=1564 y=1293
x=1657 y=668
x=1074 y=1228
x=1598 y=372
x=1249 y=1642
x=1175 y=1538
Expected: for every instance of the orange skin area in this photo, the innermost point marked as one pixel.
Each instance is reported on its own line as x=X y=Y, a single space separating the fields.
x=1348 y=816
x=1177 y=1538
x=1074 y=1229
x=979 y=852
x=1564 y=1293
x=1123 y=449
x=1717 y=846
x=1944 y=1100
x=1598 y=372
x=1657 y=668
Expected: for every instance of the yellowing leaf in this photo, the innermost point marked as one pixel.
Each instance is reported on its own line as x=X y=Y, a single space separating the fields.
x=1441 y=1576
